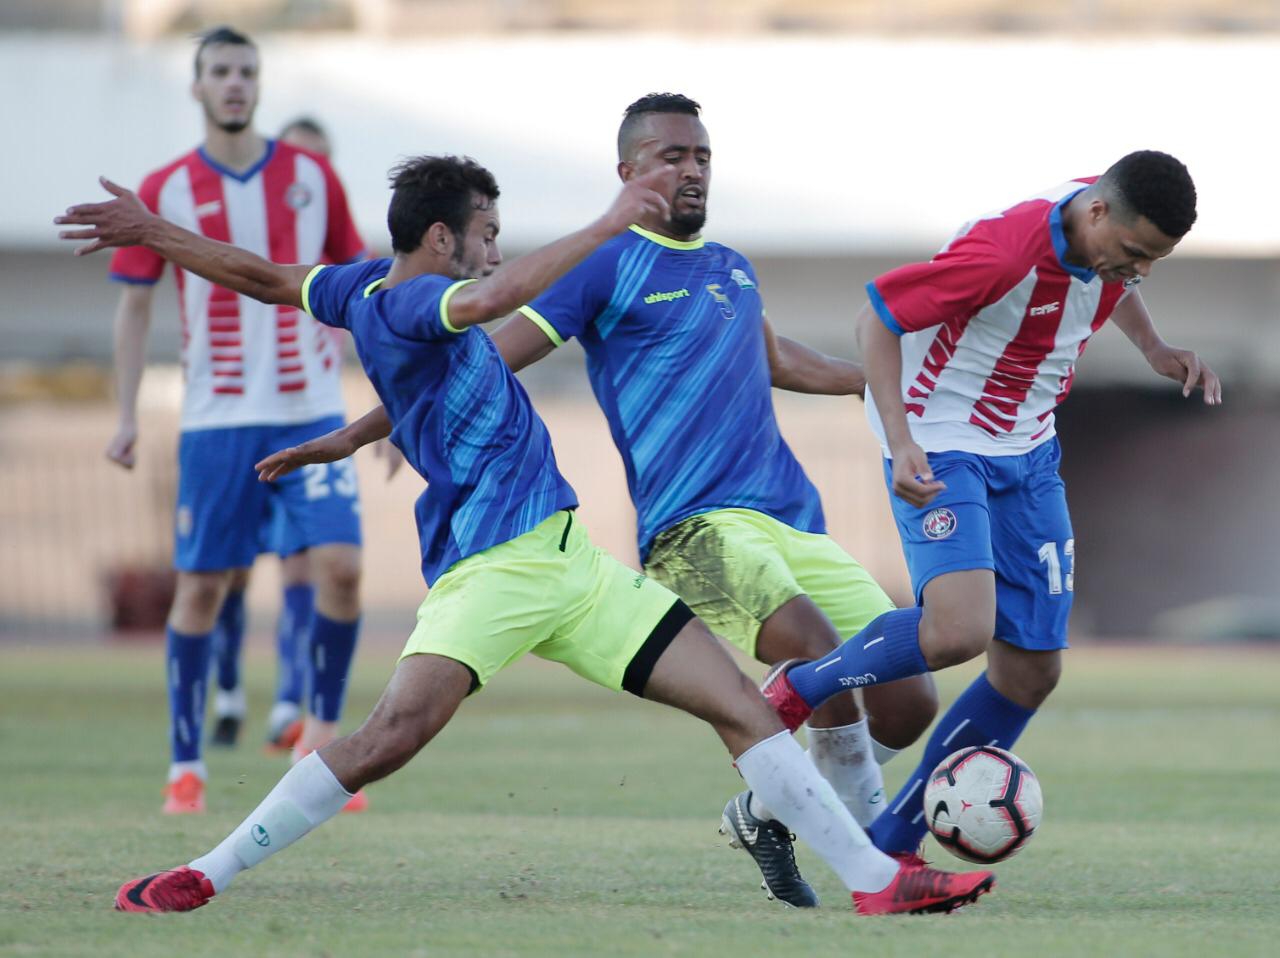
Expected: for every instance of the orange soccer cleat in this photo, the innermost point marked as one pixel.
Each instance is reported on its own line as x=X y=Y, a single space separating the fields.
x=782 y=695
x=184 y=795
x=918 y=889
x=181 y=889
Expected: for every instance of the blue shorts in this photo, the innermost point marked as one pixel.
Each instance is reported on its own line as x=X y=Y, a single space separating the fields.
x=222 y=506
x=1004 y=513
x=276 y=534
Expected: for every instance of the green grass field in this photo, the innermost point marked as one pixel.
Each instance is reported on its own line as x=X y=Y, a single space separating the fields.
x=556 y=819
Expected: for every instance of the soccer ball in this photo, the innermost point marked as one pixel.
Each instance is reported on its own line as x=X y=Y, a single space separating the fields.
x=983 y=804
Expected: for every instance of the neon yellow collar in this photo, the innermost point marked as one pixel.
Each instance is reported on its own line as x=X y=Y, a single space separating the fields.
x=667 y=241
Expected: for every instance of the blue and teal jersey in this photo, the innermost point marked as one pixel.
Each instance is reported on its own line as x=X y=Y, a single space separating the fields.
x=674 y=337
x=458 y=414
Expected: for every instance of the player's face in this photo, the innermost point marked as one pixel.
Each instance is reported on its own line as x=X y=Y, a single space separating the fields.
x=679 y=140
x=227 y=87
x=1120 y=251
x=478 y=255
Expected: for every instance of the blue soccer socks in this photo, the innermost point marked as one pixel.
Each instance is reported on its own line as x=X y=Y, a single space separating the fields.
x=187 y=667
x=980 y=716
x=293 y=634
x=229 y=639
x=332 y=646
x=886 y=650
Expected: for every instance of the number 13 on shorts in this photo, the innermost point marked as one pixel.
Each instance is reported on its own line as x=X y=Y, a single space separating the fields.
x=1049 y=557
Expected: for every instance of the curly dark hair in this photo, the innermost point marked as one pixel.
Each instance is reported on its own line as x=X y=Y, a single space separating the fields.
x=436 y=189
x=652 y=103
x=1154 y=185
x=220 y=36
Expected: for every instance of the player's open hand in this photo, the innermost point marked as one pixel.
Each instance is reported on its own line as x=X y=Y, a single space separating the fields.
x=912 y=477
x=1185 y=367
x=119 y=222
x=643 y=198
x=120 y=449
x=330 y=447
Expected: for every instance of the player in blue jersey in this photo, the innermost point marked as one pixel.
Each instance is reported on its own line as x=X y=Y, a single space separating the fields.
x=509 y=569
x=681 y=358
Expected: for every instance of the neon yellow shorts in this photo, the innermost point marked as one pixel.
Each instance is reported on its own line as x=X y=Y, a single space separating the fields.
x=736 y=567
x=552 y=593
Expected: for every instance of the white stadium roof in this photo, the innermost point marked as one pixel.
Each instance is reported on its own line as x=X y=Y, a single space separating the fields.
x=847 y=145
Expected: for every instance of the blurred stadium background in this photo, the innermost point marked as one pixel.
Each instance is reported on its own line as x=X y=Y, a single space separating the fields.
x=850 y=135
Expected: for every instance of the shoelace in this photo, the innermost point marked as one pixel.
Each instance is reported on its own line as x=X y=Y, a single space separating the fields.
x=776 y=830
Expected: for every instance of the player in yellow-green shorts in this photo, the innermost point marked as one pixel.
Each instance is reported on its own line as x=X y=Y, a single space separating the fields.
x=682 y=359
x=510 y=570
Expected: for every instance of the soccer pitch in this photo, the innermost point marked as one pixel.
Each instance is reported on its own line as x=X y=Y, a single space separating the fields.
x=552 y=818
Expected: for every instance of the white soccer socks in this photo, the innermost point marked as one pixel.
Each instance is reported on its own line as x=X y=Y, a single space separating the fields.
x=308 y=795
x=844 y=757
x=778 y=771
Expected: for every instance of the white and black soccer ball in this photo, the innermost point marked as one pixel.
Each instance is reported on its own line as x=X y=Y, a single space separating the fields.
x=983 y=804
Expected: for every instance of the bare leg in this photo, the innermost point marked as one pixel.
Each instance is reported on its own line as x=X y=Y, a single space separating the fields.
x=422 y=696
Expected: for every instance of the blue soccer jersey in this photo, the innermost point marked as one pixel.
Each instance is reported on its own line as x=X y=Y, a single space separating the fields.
x=674 y=336
x=457 y=413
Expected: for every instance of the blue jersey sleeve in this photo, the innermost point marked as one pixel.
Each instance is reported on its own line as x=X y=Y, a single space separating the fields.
x=329 y=290
x=419 y=308
x=578 y=298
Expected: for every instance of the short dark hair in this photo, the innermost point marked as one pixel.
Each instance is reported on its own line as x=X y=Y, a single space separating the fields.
x=652 y=103
x=435 y=189
x=306 y=124
x=1154 y=185
x=220 y=36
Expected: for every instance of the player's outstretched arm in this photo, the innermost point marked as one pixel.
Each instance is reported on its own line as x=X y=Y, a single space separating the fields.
x=521 y=342
x=332 y=446
x=1181 y=365
x=126 y=221
x=912 y=477
x=801 y=369
x=523 y=279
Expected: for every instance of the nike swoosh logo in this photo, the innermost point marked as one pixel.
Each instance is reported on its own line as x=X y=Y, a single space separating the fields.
x=134 y=894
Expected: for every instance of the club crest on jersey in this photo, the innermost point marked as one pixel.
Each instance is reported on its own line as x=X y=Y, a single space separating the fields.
x=742 y=279
x=723 y=301
x=298 y=196
x=939 y=523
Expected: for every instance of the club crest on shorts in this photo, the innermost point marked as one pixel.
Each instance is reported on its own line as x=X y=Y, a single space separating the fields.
x=939 y=523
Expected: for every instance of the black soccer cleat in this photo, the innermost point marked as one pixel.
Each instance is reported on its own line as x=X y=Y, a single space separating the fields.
x=226 y=732
x=770 y=844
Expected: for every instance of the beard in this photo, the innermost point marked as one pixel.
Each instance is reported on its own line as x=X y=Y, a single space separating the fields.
x=688 y=223
x=227 y=126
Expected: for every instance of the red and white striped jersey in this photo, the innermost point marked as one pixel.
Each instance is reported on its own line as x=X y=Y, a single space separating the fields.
x=991 y=330
x=246 y=363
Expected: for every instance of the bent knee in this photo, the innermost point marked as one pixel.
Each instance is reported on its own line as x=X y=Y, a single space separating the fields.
x=338 y=577
x=951 y=635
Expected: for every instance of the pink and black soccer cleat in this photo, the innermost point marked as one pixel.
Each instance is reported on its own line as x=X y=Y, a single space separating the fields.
x=918 y=889
x=181 y=889
x=782 y=695
x=184 y=795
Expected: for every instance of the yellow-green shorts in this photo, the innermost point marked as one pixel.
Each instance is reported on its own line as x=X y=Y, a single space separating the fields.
x=736 y=567
x=552 y=593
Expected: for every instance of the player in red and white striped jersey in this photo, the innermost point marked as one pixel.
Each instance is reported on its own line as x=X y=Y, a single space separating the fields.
x=967 y=356
x=257 y=377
